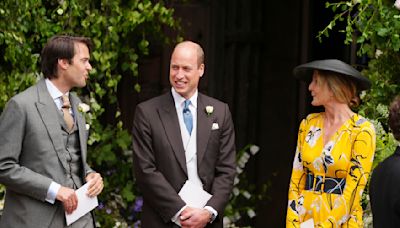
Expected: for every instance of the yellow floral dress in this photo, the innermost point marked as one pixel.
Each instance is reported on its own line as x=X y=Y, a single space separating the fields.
x=347 y=154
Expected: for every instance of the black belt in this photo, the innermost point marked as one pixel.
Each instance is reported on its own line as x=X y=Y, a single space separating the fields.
x=321 y=183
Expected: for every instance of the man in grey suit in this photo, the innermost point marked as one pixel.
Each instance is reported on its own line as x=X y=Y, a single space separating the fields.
x=43 y=142
x=182 y=136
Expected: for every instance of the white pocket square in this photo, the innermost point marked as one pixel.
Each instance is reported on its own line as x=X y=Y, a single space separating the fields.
x=214 y=126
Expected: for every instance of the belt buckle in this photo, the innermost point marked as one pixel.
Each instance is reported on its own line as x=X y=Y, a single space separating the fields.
x=321 y=190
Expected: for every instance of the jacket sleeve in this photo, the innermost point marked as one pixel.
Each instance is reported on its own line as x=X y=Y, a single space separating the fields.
x=14 y=176
x=297 y=182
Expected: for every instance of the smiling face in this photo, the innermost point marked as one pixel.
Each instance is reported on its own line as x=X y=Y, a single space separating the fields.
x=186 y=69
x=320 y=91
x=75 y=72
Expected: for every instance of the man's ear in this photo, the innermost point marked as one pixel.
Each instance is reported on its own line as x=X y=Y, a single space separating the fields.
x=201 y=68
x=63 y=63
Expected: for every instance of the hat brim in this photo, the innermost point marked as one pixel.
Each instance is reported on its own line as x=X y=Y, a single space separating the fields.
x=305 y=71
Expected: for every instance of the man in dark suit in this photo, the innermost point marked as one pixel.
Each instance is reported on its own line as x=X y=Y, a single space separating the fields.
x=43 y=140
x=183 y=135
x=384 y=189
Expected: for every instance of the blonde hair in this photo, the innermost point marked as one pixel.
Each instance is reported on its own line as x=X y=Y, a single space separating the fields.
x=343 y=88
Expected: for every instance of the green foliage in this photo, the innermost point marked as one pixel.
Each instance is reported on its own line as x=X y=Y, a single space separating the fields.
x=374 y=25
x=121 y=32
x=241 y=206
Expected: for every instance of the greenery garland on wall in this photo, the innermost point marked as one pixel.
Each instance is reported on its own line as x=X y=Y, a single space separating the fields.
x=374 y=26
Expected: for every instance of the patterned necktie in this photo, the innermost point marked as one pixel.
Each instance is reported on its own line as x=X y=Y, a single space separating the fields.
x=69 y=120
x=187 y=117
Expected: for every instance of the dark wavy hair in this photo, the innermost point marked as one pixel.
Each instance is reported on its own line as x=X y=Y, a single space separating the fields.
x=394 y=117
x=60 y=47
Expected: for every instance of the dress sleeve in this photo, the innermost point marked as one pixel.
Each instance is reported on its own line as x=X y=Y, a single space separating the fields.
x=362 y=156
x=297 y=182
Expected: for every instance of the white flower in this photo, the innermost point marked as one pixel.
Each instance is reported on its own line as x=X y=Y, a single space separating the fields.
x=209 y=109
x=227 y=222
x=297 y=164
x=254 y=149
x=251 y=213
x=363 y=94
x=313 y=135
x=235 y=191
x=379 y=52
x=397 y=4
x=87 y=127
x=236 y=181
x=246 y=195
x=82 y=107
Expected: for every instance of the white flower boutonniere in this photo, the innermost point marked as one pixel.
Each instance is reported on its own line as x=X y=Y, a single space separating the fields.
x=209 y=110
x=82 y=107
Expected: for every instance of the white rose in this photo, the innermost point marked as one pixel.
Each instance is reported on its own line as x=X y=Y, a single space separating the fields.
x=82 y=107
x=209 y=109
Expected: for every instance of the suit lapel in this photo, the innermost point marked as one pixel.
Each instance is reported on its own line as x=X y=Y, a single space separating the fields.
x=204 y=124
x=48 y=112
x=80 y=122
x=169 y=119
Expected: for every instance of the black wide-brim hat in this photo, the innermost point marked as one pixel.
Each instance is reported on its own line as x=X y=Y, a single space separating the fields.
x=305 y=71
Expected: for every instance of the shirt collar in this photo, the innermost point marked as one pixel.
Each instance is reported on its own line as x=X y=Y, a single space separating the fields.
x=53 y=90
x=179 y=99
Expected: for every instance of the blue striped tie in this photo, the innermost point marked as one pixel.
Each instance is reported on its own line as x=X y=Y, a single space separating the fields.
x=187 y=117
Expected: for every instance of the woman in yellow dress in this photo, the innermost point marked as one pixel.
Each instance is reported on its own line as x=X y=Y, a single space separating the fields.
x=335 y=150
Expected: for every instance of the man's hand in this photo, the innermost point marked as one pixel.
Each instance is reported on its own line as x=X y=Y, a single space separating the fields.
x=194 y=217
x=68 y=198
x=96 y=184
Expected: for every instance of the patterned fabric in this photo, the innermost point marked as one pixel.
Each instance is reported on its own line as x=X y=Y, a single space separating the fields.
x=347 y=154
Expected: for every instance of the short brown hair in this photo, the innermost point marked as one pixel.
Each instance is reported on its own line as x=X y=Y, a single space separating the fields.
x=344 y=89
x=60 y=47
x=394 y=117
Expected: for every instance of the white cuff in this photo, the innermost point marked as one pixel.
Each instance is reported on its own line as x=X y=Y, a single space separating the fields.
x=175 y=219
x=52 y=192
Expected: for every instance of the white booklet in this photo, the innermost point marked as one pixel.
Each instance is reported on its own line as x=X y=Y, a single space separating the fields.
x=307 y=224
x=85 y=204
x=194 y=195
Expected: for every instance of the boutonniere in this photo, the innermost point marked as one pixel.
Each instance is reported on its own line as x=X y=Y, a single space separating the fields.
x=209 y=110
x=82 y=107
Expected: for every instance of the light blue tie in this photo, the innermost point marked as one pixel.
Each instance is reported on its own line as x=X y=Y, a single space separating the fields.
x=187 y=117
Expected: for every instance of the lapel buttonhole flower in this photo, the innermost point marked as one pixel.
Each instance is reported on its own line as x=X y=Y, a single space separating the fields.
x=209 y=109
x=82 y=107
